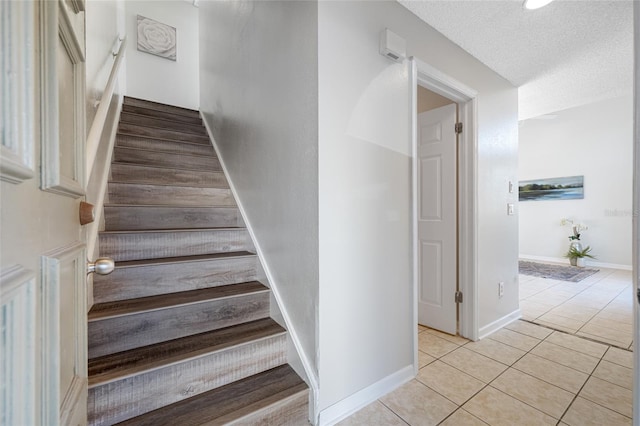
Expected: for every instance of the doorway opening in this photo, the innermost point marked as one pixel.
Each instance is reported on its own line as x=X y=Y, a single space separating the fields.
x=454 y=103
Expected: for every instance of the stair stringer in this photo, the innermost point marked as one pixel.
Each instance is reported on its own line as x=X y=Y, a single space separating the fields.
x=307 y=373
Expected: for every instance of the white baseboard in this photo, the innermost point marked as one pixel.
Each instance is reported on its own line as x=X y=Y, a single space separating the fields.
x=564 y=261
x=343 y=409
x=304 y=359
x=499 y=323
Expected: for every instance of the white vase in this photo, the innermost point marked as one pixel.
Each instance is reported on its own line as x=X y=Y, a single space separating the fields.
x=581 y=262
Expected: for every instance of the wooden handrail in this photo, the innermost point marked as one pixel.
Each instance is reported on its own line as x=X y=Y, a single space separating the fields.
x=95 y=133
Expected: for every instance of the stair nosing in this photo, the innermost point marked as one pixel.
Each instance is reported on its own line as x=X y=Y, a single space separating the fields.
x=159 y=103
x=173 y=153
x=183 y=259
x=148 y=126
x=264 y=289
x=189 y=357
x=120 y=163
x=124 y=132
x=177 y=185
x=289 y=395
x=152 y=111
x=177 y=206
x=158 y=118
x=117 y=182
x=160 y=139
x=143 y=231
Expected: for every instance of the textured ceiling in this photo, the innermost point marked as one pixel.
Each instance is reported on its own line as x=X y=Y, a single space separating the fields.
x=566 y=54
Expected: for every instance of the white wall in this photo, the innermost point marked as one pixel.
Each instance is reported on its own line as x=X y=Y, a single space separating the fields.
x=313 y=125
x=595 y=141
x=364 y=190
x=158 y=79
x=259 y=97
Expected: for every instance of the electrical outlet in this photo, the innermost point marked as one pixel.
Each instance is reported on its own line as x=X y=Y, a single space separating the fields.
x=510 y=209
x=500 y=289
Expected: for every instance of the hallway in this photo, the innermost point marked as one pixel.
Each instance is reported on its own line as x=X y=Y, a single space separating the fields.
x=599 y=307
x=524 y=374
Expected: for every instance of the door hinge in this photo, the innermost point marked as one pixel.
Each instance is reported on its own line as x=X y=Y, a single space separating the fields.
x=458 y=128
x=458 y=297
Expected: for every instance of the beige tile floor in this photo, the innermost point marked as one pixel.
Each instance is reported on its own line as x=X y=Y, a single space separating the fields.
x=523 y=374
x=599 y=307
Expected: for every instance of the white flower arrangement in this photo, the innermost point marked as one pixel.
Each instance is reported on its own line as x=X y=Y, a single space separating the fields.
x=576 y=227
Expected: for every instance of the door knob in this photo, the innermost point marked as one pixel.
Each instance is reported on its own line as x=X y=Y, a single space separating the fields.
x=102 y=266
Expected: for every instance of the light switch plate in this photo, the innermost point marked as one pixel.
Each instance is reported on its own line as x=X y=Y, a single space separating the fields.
x=511 y=209
x=510 y=187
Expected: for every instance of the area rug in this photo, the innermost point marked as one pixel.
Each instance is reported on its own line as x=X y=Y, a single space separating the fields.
x=573 y=274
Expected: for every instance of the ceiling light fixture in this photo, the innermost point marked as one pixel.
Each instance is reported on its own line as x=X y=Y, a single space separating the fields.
x=535 y=4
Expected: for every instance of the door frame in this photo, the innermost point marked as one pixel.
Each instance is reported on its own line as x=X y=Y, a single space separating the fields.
x=466 y=98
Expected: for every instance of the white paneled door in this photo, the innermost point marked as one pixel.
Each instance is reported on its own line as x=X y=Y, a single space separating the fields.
x=437 y=219
x=43 y=306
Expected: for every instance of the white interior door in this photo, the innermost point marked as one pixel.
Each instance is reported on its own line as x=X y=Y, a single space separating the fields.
x=42 y=256
x=437 y=219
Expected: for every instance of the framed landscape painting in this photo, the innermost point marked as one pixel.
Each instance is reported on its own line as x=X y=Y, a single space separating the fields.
x=562 y=188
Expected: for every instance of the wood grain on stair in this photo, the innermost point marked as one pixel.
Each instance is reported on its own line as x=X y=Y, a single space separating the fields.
x=164 y=145
x=144 y=278
x=120 y=365
x=152 y=132
x=140 y=393
x=161 y=114
x=137 y=193
x=140 y=173
x=136 y=245
x=237 y=402
x=155 y=158
x=162 y=123
x=121 y=308
x=124 y=325
x=179 y=333
x=160 y=107
x=135 y=217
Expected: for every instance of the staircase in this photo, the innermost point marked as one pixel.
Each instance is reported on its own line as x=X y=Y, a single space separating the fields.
x=180 y=332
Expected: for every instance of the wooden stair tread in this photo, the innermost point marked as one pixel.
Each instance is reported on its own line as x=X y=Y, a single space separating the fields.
x=164 y=185
x=117 y=366
x=184 y=161
x=160 y=173
x=128 y=100
x=163 y=145
x=162 y=123
x=160 y=133
x=169 y=206
x=162 y=167
x=185 y=259
x=106 y=310
x=161 y=114
x=175 y=195
x=229 y=402
x=158 y=231
x=177 y=154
